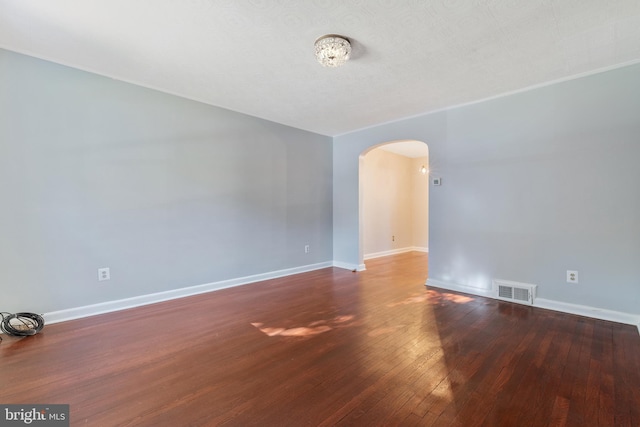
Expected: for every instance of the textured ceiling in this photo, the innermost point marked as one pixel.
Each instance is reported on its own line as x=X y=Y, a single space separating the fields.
x=256 y=56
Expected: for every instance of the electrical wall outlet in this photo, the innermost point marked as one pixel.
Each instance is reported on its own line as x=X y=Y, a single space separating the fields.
x=393 y=238
x=307 y=249
x=104 y=274
x=572 y=276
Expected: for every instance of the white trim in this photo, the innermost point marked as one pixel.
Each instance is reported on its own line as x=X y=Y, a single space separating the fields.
x=564 y=307
x=491 y=98
x=460 y=288
x=386 y=253
x=123 y=304
x=349 y=266
x=395 y=252
x=568 y=78
x=587 y=311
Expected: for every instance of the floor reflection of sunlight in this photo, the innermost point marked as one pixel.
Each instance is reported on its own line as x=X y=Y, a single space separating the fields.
x=432 y=297
x=438 y=392
x=443 y=390
x=459 y=299
x=402 y=335
x=313 y=328
x=381 y=331
x=409 y=323
x=413 y=299
x=292 y=332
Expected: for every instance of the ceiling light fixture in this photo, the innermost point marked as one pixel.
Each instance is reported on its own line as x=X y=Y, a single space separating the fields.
x=332 y=50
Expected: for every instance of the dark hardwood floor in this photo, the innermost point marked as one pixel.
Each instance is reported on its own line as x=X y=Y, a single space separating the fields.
x=332 y=347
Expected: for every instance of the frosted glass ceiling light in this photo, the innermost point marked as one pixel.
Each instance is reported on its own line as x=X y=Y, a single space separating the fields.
x=332 y=50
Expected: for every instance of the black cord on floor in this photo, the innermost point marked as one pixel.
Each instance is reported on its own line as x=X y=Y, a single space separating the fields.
x=21 y=324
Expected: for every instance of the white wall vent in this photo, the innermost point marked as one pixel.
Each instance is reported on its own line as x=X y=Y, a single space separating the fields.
x=522 y=293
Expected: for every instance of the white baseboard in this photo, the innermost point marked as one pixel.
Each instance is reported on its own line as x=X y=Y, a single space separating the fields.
x=460 y=288
x=349 y=266
x=564 y=307
x=395 y=252
x=587 y=311
x=110 y=306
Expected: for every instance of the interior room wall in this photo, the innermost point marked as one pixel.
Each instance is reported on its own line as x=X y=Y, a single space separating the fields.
x=166 y=192
x=533 y=184
x=395 y=203
x=420 y=204
x=387 y=202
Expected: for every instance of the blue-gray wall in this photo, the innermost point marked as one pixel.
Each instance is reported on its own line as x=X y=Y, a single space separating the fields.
x=533 y=184
x=167 y=192
x=171 y=193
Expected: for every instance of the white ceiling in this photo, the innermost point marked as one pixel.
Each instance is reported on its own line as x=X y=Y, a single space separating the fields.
x=256 y=56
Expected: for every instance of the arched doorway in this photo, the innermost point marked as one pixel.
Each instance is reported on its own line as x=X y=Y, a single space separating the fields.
x=393 y=199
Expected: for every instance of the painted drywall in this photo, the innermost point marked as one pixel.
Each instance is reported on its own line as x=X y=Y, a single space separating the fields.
x=387 y=189
x=167 y=192
x=395 y=202
x=533 y=184
x=419 y=204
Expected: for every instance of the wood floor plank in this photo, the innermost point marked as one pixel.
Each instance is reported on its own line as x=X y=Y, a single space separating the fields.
x=607 y=404
x=332 y=347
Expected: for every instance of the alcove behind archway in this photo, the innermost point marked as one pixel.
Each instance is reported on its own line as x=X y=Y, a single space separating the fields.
x=394 y=199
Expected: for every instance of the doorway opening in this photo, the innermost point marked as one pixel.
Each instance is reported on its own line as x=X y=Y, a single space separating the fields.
x=393 y=199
